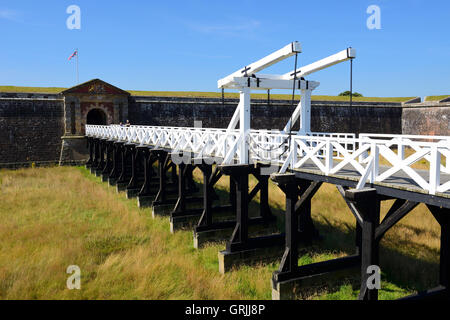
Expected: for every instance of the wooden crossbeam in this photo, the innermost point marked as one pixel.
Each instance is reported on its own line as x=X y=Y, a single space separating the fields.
x=399 y=209
x=350 y=205
x=307 y=194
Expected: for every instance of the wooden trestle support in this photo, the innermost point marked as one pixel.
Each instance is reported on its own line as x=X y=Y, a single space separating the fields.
x=365 y=206
x=171 y=190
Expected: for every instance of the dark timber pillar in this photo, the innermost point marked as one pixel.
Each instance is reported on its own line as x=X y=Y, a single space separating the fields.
x=188 y=207
x=217 y=220
x=163 y=159
x=134 y=185
x=162 y=205
x=90 y=146
x=126 y=167
x=96 y=154
x=442 y=216
x=101 y=162
x=288 y=280
x=239 y=173
x=117 y=155
x=241 y=248
x=148 y=190
x=289 y=262
x=367 y=203
x=109 y=148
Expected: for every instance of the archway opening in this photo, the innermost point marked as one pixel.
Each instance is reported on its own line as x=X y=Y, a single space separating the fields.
x=96 y=116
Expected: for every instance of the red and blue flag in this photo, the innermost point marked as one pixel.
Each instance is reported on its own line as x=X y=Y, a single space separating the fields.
x=73 y=54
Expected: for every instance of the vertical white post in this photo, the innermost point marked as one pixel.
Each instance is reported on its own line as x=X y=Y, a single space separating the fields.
x=305 y=113
x=294 y=158
x=328 y=157
x=244 y=124
x=401 y=151
x=375 y=152
x=435 y=169
x=447 y=159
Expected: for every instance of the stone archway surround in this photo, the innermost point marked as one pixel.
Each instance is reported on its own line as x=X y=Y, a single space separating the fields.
x=78 y=101
x=106 y=107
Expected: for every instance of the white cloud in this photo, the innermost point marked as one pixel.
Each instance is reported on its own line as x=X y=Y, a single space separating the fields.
x=8 y=14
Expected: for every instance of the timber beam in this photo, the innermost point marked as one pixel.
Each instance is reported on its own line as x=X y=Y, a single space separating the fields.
x=101 y=162
x=241 y=248
x=367 y=204
x=126 y=163
x=90 y=146
x=109 y=148
x=168 y=194
x=117 y=163
x=95 y=155
x=149 y=188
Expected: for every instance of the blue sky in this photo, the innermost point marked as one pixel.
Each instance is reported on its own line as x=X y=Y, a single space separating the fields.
x=189 y=45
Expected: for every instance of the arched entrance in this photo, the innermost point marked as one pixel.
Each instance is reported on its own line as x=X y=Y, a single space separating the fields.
x=96 y=116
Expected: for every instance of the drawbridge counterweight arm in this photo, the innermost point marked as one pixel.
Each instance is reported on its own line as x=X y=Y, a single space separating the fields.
x=249 y=70
x=339 y=57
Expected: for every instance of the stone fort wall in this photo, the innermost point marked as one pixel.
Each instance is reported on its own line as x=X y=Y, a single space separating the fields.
x=427 y=119
x=31 y=125
x=30 y=129
x=327 y=116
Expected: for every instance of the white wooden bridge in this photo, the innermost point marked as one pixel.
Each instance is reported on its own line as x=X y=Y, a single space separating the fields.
x=366 y=168
x=338 y=154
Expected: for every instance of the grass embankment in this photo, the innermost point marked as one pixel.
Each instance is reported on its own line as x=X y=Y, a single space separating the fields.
x=31 y=89
x=56 y=217
x=198 y=94
x=436 y=98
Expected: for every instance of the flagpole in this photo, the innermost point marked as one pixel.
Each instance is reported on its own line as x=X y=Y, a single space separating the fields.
x=78 y=80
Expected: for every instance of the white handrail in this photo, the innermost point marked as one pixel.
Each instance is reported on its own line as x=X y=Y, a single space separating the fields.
x=328 y=153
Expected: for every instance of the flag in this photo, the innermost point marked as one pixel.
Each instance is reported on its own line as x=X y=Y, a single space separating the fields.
x=73 y=54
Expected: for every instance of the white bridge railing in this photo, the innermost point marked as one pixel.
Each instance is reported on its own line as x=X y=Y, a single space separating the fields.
x=370 y=157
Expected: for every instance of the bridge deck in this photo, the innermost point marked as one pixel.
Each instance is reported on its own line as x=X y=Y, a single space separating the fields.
x=399 y=185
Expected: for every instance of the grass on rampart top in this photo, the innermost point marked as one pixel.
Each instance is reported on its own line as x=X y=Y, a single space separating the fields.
x=195 y=94
x=436 y=98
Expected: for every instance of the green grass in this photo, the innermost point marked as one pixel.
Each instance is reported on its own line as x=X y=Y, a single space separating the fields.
x=263 y=96
x=195 y=94
x=31 y=89
x=436 y=98
x=56 y=217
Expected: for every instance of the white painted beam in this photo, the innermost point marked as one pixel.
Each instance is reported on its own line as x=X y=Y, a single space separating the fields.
x=279 y=55
x=266 y=84
x=339 y=57
x=235 y=119
x=244 y=124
